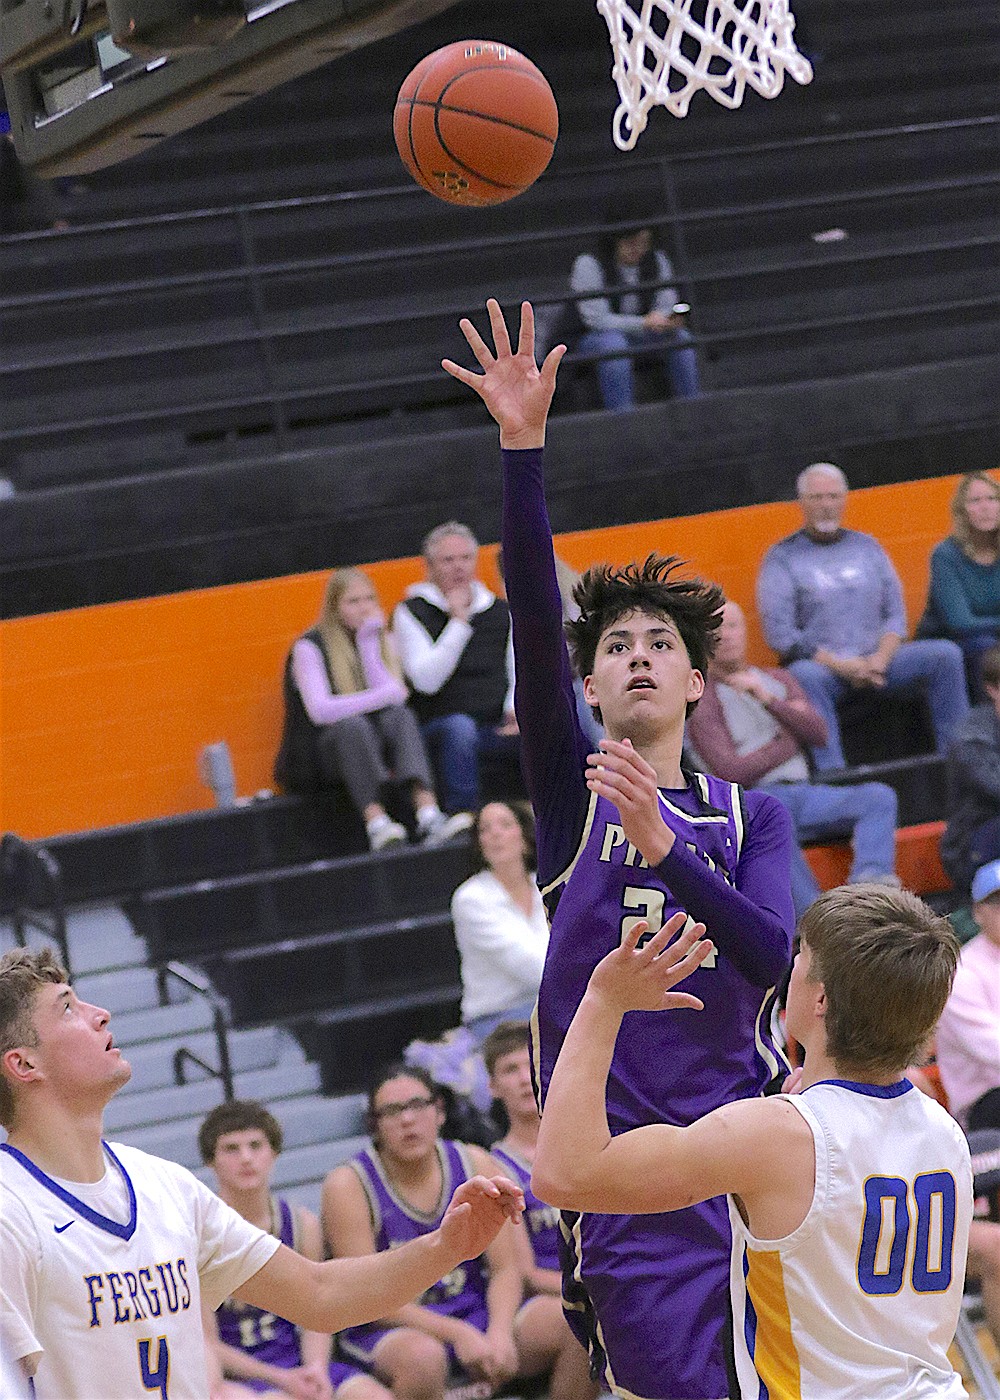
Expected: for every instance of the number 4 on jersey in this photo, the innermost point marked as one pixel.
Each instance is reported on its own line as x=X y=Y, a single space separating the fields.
x=155 y=1379
x=650 y=904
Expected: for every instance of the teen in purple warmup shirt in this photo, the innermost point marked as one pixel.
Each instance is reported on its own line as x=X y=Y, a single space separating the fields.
x=625 y=835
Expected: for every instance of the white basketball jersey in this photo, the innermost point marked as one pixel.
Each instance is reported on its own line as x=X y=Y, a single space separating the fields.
x=862 y=1300
x=114 y=1305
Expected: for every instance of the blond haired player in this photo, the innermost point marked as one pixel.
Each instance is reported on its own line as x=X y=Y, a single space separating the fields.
x=109 y=1253
x=850 y=1201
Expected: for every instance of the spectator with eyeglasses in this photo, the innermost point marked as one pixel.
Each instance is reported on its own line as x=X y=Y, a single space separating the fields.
x=464 y=1328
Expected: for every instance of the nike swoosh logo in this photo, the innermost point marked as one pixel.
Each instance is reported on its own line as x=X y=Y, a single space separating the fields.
x=60 y=1228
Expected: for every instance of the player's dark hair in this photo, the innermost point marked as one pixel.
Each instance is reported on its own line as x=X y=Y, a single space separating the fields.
x=604 y=594
x=399 y=1069
x=23 y=973
x=237 y=1116
x=504 y=1039
x=525 y=820
x=886 y=962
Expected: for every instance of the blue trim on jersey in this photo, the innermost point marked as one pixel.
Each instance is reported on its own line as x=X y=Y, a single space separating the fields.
x=103 y=1222
x=871 y=1091
x=750 y=1326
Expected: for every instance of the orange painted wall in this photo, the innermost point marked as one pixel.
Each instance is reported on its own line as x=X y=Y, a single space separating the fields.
x=104 y=709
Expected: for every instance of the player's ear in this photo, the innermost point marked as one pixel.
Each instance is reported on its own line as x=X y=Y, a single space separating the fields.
x=588 y=690
x=19 y=1065
x=695 y=686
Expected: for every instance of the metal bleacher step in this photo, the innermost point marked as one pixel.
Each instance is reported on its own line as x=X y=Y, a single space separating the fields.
x=102 y=939
x=311 y=1163
x=126 y=989
x=141 y=1027
x=273 y=1085
x=153 y=1068
x=305 y=1123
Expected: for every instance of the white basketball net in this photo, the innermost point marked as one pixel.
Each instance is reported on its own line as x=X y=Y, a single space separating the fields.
x=665 y=50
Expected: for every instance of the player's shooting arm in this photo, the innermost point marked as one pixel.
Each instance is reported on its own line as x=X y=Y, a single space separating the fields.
x=578 y=1164
x=348 y=1292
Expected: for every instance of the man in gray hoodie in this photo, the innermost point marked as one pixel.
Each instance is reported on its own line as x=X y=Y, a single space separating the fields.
x=831 y=606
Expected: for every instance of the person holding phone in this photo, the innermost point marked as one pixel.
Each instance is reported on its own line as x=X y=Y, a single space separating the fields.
x=625 y=302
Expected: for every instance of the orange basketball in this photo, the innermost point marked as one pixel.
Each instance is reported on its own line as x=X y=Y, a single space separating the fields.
x=475 y=122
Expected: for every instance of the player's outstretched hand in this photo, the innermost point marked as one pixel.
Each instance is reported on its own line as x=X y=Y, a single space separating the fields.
x=513 y=388
x=477 y=1210
x=641 y=979
x=624 y=777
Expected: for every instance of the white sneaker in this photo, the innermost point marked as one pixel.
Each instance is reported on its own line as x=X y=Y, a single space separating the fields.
x=439 y=828
x=383 y=831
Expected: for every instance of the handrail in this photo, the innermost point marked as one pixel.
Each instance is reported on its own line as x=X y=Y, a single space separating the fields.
x=20 y=861
x=200 y=986
x=852 y=137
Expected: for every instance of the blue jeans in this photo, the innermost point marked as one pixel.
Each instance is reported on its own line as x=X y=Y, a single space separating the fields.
x=455 y=743
x=974 y=648
x=936 y=666
x=866 y=812
x=616 y=377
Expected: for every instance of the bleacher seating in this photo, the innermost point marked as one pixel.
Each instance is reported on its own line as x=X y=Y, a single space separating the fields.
x=249 y=309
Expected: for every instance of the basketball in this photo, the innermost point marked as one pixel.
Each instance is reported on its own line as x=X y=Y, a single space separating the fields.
x=475 y=123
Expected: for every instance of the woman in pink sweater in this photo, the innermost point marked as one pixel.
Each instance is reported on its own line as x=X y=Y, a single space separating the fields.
x=346 y=717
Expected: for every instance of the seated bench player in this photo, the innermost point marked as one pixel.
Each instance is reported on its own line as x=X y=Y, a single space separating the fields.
x=465 y=1325
x=850 y=1200
x=541 y=1326
x=256 y=1351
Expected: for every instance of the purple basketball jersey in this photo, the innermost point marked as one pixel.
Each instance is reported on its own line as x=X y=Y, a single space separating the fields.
x=461 y=1293
x=542 y=1220
x=636 y=1271
x=648 y=1294
x=258 y=1333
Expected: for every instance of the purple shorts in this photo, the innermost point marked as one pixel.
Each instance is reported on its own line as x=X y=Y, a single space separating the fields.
x=359 y=1343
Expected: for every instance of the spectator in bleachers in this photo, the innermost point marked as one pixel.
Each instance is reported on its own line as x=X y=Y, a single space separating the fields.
x=964 y=598
x=831 y=606
x=972 y=836
x=755 y=727
x=500 y=925
x=453 y=637
x=542 y=1323
x=621 y=310
x=256 y=1351
x=346 y=716
x=567 y=578
x=395 y=1191
x=968 y=1034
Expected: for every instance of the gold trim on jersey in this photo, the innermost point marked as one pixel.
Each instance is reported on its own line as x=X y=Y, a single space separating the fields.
x=374 y=1209
x=407 y=1207
x=775 y=1355
x=773 y=1058
x=587 y=827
